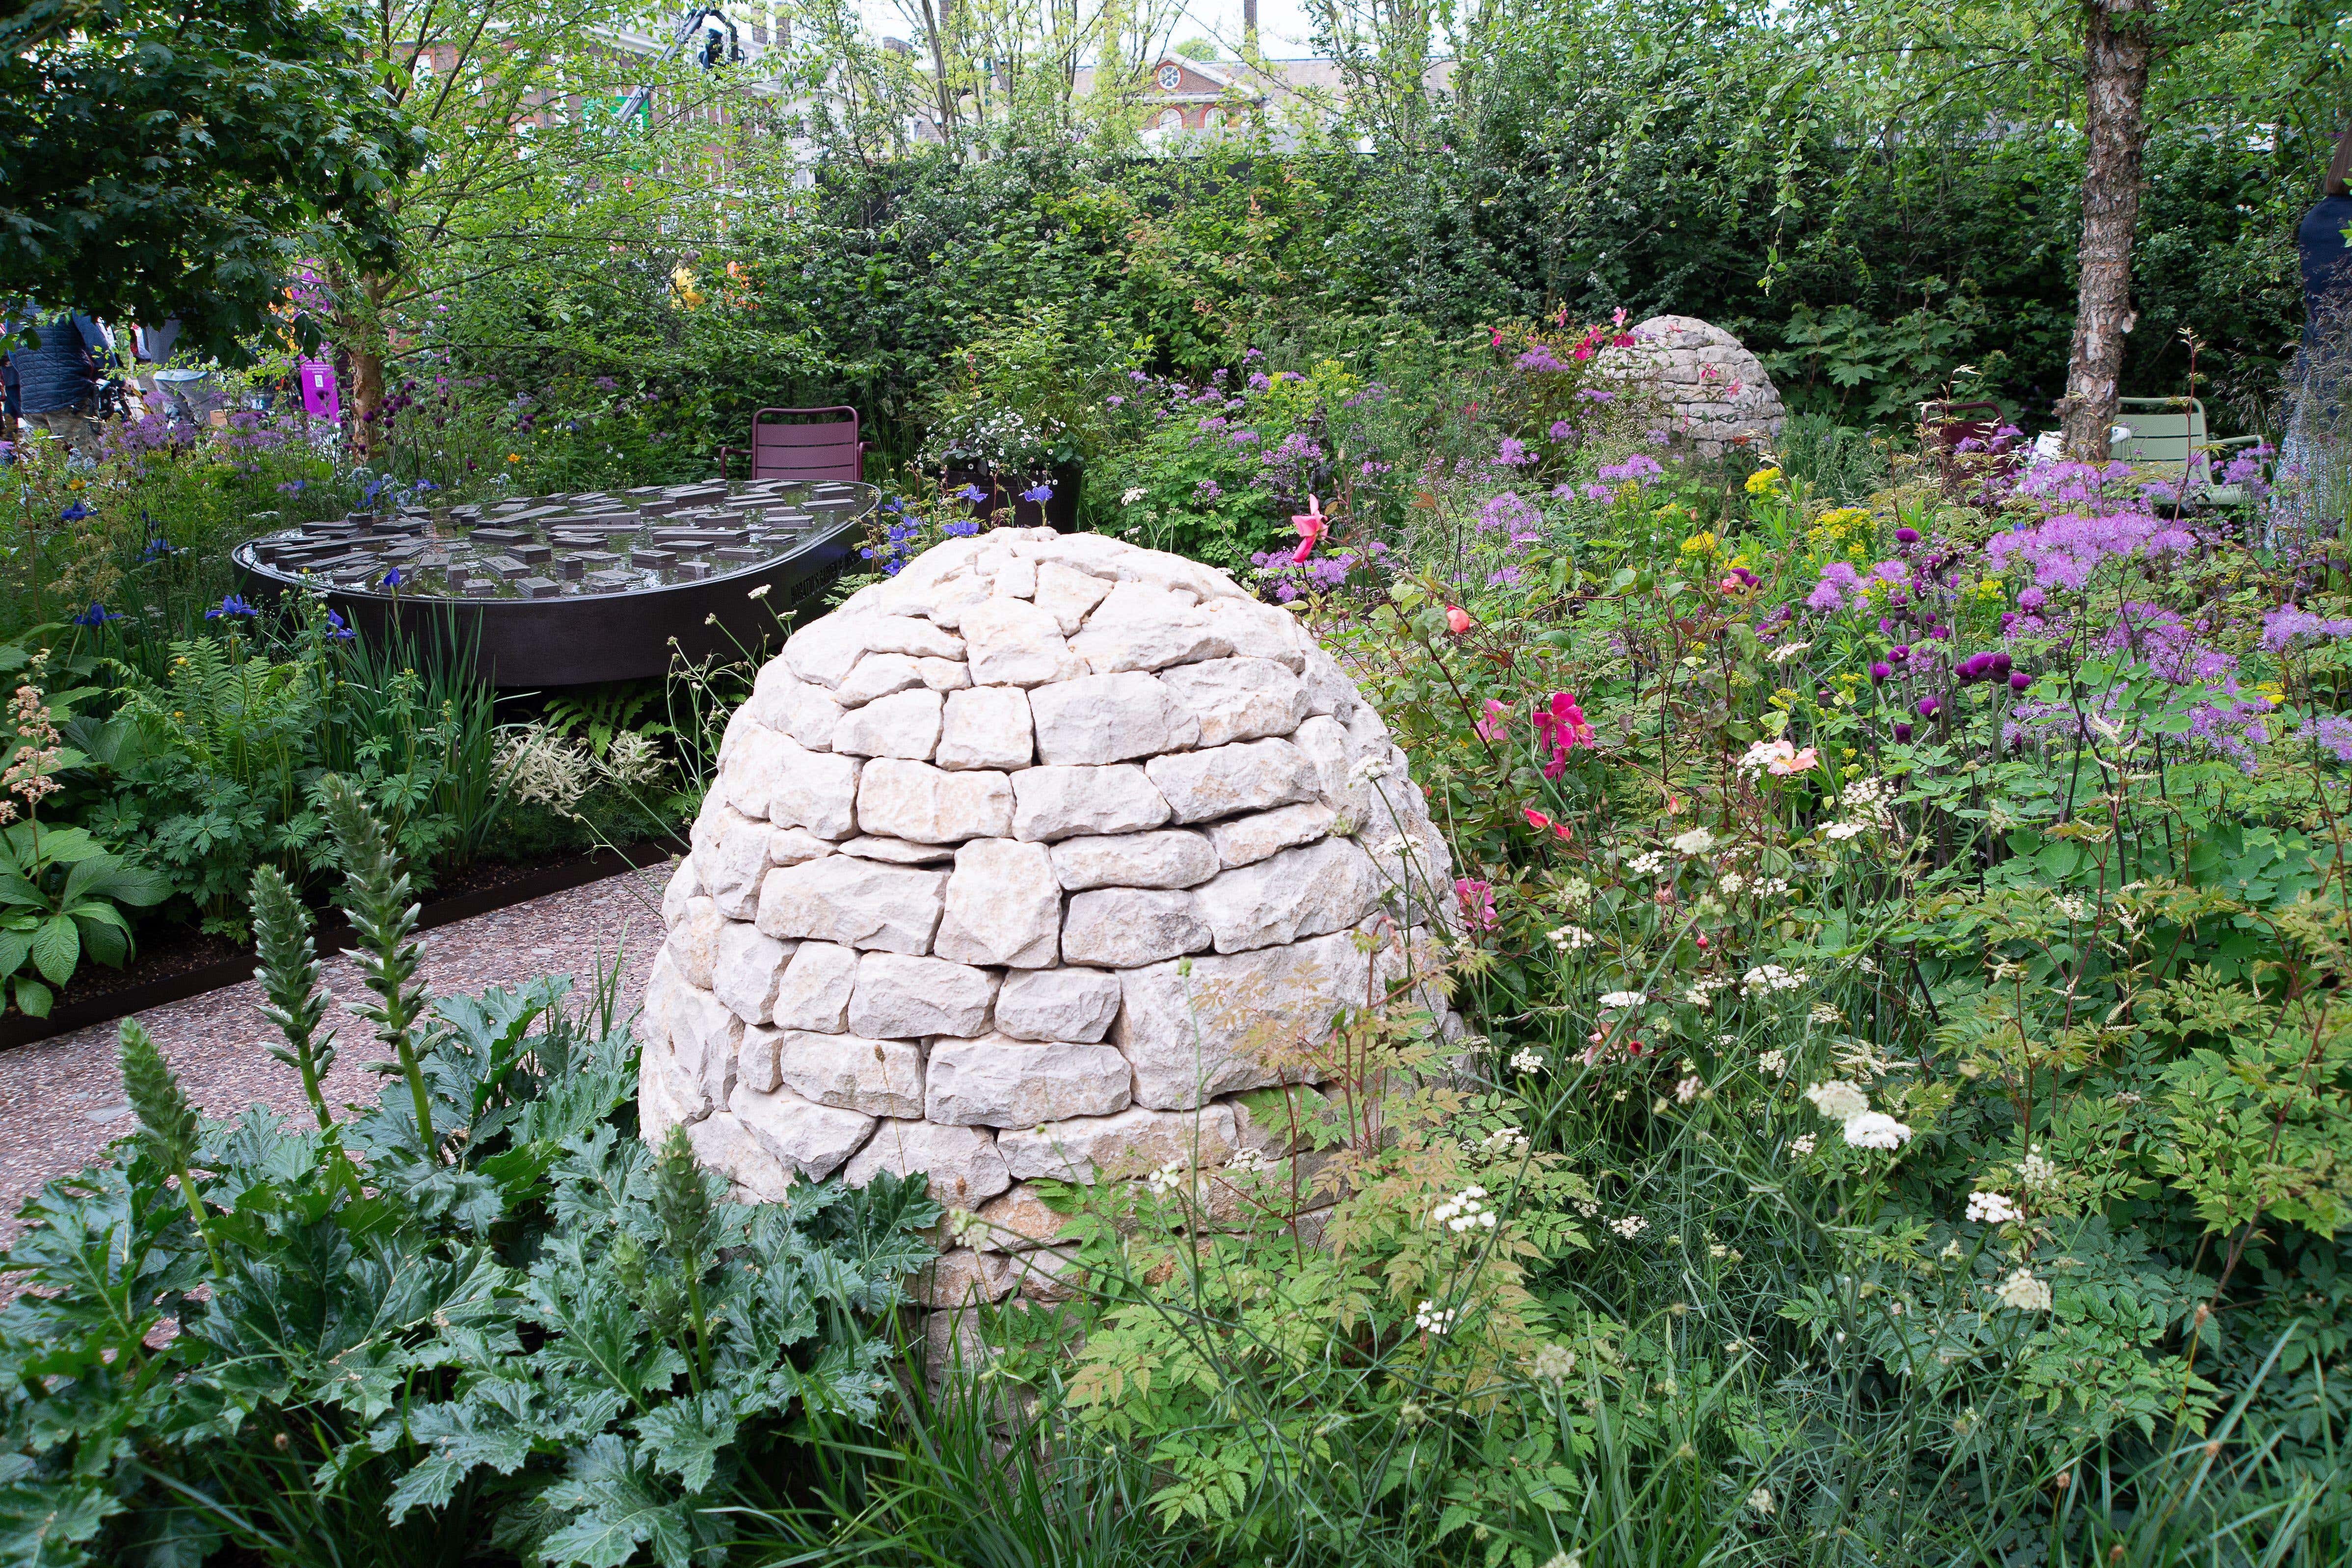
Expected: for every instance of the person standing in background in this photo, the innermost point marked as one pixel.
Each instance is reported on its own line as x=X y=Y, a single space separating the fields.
x=150 y=350
x=57 y=382
x=2310 y=491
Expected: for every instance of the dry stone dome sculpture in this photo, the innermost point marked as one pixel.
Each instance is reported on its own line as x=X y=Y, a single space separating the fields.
x=1715 y=391
x=967 y=837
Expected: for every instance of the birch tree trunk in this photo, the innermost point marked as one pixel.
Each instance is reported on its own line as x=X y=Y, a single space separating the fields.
x=2115 y=50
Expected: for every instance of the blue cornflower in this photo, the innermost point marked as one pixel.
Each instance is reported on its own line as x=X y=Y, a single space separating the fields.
x=336 y=631
x=74 y=513
x=972 y=493
x=232 y=606
x=1040 y=493
x=395 y=578
x=96 y=615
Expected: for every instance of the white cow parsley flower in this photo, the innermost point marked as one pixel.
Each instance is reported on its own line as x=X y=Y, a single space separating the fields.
x=1629 y=1225
x=1527 y=1061
x=2023 y=1293
x=1432 y=1319
x=1991 y=1208
x=1875 y=1130
x=1838 y=1100
x=1697 y=842
x=1367 y=770
x=1554 y=1362
x=1622 y=998
x=1463 y=1211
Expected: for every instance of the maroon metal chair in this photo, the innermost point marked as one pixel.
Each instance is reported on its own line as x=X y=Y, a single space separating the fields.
x=808 y=443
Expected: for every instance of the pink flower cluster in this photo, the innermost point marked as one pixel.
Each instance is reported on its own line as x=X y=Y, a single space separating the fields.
x=1560 y=728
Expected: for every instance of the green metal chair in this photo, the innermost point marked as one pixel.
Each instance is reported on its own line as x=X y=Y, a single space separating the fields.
x=2160 y=436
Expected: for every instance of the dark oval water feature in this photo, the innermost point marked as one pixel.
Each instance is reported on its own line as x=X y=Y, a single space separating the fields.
x=557 y=591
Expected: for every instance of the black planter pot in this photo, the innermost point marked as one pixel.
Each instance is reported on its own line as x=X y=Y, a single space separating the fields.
x=1002 y=492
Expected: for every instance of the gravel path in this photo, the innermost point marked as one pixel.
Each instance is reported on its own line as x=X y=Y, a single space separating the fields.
x=61 y=1099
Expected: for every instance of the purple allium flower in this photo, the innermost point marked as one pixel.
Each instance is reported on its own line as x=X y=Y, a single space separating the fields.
x=1906 y=536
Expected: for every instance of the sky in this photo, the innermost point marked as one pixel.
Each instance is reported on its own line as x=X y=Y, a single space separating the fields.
x=1284 y=29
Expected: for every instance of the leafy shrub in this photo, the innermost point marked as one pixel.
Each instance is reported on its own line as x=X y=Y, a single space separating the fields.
x=479 y=1314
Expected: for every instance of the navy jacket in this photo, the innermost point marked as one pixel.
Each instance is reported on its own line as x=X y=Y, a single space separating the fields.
x=63 y=371
x=2326 y=261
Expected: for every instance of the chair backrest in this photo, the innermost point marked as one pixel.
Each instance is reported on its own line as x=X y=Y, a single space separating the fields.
x=2163 y=429
x=1949 y=423
x=812 y=444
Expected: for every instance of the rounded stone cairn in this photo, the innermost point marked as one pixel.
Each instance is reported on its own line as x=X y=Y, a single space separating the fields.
x=963 y=838
x=1715 y=392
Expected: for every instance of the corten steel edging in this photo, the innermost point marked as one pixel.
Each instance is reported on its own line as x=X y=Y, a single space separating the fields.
x=579 y=641
x=331 y=936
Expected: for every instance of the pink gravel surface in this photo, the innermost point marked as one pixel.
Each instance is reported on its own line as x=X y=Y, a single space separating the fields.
x=61 y=1099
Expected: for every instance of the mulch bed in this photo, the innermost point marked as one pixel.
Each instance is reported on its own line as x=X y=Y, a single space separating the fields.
x=185 y=962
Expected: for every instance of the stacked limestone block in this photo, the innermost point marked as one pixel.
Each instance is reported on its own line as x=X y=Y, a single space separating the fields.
x=1715 y=391
x=964 y=836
